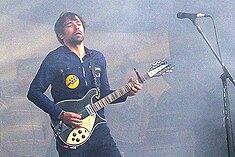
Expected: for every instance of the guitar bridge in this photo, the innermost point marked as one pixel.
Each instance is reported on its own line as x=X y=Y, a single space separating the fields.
x=90 y=110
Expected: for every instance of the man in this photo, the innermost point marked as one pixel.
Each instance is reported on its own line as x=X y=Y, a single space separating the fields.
x=69 y=71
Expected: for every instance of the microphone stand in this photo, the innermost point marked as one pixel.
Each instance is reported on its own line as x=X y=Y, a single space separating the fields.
x=226 y=75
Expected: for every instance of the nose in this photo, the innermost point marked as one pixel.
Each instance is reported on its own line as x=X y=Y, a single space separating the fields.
x=76 y=26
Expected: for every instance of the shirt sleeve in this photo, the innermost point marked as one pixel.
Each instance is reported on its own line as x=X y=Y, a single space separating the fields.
x=38 y=87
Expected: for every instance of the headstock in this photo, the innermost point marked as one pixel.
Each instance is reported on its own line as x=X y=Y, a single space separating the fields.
x=160 y=68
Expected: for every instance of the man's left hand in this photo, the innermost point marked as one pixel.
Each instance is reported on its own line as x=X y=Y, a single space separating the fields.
x=137 y=86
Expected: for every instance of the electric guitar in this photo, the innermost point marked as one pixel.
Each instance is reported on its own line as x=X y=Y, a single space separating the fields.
x=74 y=137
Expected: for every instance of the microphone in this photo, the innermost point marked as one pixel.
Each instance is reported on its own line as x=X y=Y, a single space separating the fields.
x=190 y=16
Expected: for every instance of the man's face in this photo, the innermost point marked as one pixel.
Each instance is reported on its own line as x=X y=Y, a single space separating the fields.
x=74 y=32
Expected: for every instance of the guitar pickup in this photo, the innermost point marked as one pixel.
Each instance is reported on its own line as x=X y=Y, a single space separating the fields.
x=90 y=110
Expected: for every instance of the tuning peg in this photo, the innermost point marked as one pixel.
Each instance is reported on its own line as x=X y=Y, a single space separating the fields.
x=168 y=71
x=172 y=68
x=162 y=61
x=159 y=63
x=154 y=64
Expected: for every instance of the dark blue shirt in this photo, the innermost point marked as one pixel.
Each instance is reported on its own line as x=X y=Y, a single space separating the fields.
x=70 y=77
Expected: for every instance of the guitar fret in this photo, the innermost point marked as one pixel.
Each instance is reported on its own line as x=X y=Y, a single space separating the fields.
x=102 y=102
x=118 y=93
x=145 y=77
x=100 y=106
x=114 y=95
x=122 y=91
x=106 y=101
x=125 y=89
x=95 y=107
x=128 y=86
x=109 y=98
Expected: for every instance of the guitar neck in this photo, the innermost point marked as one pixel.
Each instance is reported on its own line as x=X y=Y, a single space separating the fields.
x=117 y=94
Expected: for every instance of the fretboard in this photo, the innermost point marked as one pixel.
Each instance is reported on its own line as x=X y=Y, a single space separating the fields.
x=117 y=94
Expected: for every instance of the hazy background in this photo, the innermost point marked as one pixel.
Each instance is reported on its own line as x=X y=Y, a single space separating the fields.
x=178 y=115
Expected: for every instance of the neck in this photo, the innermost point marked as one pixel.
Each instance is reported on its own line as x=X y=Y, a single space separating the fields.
x=79 y=49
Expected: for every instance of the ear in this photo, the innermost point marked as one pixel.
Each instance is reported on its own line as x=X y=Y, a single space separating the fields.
x=61 y=36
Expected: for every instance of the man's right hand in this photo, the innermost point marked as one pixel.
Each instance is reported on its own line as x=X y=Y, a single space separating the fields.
x=72 y=119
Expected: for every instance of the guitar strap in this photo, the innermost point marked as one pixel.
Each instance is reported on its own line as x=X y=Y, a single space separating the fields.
x=96 y=75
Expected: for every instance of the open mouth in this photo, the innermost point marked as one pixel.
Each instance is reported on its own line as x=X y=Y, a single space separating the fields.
x=78 y=33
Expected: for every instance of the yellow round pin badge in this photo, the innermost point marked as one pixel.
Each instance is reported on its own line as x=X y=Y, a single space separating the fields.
x=72 y=81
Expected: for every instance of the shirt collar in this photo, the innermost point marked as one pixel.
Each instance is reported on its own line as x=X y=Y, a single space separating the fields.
x=87 y=50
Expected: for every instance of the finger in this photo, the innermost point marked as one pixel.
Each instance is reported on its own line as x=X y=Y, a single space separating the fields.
x=76 y=124
x=74 y=115
x=138 y=86
x=75 y=120
x=134 y=89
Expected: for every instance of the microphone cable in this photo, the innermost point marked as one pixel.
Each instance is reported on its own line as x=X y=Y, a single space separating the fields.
x=216 y=38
